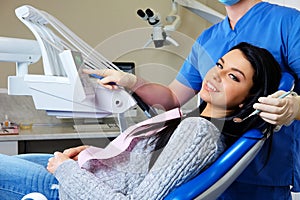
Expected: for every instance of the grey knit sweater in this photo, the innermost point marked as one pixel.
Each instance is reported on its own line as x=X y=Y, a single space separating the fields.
x=195 y=144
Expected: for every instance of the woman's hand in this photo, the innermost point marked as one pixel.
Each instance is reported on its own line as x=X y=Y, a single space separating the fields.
x=74 y=152
x=110 y=76
x=55 y=161
x=279 y=111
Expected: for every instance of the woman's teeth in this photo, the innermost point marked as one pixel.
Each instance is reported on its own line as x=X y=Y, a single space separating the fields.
x=210 y=86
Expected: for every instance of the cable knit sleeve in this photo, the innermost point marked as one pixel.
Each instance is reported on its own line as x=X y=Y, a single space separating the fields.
x=195 y=144
x=78 y=184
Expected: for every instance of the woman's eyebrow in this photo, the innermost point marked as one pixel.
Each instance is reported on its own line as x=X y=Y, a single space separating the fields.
x=223 y=61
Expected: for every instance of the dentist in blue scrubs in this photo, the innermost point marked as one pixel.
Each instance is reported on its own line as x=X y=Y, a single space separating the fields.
x=275 y=172
x=277 y=167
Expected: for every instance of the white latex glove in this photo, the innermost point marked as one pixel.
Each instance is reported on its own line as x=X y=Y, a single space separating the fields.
x=120 y=78
x=279 y=111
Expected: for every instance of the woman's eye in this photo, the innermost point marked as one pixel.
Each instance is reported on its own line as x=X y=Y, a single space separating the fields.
x=219 y=65
x=233 y=77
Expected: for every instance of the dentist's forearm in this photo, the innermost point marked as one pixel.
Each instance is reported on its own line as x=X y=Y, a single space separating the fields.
x=156 y=95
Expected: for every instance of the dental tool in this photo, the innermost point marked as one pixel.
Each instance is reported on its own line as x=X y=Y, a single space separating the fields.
x=255 y=112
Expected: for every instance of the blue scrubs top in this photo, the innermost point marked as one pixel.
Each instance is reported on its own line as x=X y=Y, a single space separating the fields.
x=277 y=29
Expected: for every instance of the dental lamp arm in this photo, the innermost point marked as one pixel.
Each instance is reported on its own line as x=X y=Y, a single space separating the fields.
x=194 y=6
x=21 y=51
x=199 y=9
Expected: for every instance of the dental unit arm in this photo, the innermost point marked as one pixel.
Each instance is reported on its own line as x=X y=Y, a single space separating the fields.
x=62 y=90
x=21 y=51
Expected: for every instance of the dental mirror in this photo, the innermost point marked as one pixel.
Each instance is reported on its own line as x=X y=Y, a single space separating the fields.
x=255 y=112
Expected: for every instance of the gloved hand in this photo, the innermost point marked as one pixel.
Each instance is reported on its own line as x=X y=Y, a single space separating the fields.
x=120 y=78
x=279 y=111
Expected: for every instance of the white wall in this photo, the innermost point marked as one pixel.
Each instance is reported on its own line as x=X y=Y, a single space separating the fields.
x=289 y=3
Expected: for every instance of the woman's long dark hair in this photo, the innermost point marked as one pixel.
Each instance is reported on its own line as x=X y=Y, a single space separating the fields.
x=266 y=80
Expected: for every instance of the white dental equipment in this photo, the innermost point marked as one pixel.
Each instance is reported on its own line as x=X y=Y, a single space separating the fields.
x=22 y=52
x=160 y=35
x=62 y=90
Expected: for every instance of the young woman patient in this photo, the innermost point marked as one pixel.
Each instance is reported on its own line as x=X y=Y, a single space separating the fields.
x=152 y=166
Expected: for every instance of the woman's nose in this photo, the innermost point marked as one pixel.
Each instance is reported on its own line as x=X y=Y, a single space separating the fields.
x=216 y=77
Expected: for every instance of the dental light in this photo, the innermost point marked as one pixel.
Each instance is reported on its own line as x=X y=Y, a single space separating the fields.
x=160 y=35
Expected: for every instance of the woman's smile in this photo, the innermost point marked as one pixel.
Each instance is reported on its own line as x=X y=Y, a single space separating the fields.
x=210 y=87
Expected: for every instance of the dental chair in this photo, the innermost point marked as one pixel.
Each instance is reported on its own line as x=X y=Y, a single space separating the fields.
x=212 y=182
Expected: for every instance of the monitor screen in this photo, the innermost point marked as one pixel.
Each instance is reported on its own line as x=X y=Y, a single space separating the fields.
x=126 y=66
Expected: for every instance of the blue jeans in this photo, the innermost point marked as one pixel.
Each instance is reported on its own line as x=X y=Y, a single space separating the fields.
x=23 y=174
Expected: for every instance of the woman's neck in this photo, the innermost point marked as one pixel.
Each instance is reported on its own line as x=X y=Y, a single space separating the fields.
x=215 y=112
x=238 y=10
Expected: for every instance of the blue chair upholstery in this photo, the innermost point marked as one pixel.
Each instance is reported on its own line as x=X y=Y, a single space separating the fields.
x=212 y=182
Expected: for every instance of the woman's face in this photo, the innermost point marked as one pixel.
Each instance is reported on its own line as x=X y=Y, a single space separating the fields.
x=227 y=84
